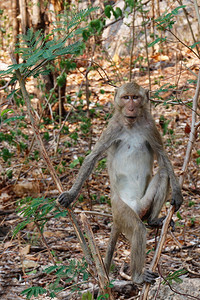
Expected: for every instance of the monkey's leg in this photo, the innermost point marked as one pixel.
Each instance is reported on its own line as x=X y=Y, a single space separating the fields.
x=138 y=249
x=111 y=247
x=155 y=196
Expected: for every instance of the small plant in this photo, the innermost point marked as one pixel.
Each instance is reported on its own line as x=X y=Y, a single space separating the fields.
x=198 y=158
x=61 y=274
x=175 y=276
x=37 y=210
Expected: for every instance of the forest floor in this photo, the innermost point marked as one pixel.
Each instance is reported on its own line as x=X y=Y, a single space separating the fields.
x=24 y=256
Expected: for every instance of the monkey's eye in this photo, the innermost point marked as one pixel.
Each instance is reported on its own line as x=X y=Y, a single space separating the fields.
x=136 y=98
x=126 y=97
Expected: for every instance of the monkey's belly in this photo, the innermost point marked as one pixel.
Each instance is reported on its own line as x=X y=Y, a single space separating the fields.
x=131 y=171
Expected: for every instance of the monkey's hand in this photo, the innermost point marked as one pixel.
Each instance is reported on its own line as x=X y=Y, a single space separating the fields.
x=150 y=276
x=66 y=198
x=177 y=199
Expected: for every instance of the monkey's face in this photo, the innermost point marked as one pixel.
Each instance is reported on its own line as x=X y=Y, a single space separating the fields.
x=130 y=100
x=131 y=105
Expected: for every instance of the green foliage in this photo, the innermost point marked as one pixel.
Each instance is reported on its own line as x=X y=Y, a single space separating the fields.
x=61 y=79
x=87 y=296
x=67 y=273
x=179 y=215
x=198 y=158
x=103 y=297
x=194 y=45
x=191 y=203
x=36 y=53
x=116 y=13
x=167 y=20
x=71 y=271
x=101 y=164
x=36 y=50
x=33 y=291
x=174 y=277
x=95 y=26
x=76 y=162
x=9 y=174
x=164 y=124
x=86 y=124
x=192 y=221
x=157 y=40
x=36 y=209
x=6 y=154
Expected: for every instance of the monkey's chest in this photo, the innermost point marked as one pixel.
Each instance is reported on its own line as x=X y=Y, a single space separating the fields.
x=131 y=167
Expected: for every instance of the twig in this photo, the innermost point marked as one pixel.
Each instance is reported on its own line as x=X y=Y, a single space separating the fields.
x=189 y=24
x=179 y=40
x=193 y=130
x=45 y=242
x=101 y=271
x=92 y=212
x=5 y=86
x=177 y=249
x=173 y=290
x=146 y=48
x=132 y=43
x=157 y=254
x=197 y=10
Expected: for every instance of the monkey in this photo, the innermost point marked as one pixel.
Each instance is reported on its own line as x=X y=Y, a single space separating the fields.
x=132 y=142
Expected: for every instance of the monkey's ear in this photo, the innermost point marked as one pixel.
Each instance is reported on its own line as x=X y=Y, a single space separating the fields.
x=147 y=92
x=115 y=94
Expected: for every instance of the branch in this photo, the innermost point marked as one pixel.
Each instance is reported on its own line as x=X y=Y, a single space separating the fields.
x=101 y=271
x=194 y=127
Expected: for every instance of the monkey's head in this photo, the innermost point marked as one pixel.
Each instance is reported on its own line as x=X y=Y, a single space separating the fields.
x=131 y=100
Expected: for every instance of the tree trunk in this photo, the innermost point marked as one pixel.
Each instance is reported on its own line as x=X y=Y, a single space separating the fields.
x=24 y=16
x=15 y=14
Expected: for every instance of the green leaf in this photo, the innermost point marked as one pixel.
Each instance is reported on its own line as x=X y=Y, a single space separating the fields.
x=108 y=10
x=179 y=215
x=33 y=291
x=175 y=11
x=96 y=26
x=194 y=45
x=118 y=12
x=50 y=269
x=20 y=226
x=157 y=40
x=61 y=80
x=12 y=93
x=87 y=296
x=74 y=163
x=5 y=111
x=14 y=119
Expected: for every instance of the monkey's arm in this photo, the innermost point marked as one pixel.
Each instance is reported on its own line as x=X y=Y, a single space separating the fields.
x=157 y=145
x=104 y=142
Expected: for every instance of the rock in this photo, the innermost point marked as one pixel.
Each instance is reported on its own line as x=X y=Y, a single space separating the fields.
x=189 y=286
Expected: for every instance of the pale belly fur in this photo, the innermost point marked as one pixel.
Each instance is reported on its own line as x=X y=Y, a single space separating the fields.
x=131 y=163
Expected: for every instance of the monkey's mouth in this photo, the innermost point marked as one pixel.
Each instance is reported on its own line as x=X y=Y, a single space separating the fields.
x=130 y=117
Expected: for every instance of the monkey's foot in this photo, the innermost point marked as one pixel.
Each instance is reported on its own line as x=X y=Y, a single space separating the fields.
x=150 y=276
x=157 y=223
x=65 y=199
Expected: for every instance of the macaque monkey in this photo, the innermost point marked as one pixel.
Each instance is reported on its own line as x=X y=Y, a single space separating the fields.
x=131 y=141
